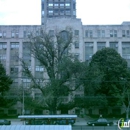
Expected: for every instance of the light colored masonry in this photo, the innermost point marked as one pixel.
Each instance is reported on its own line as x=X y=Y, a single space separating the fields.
x=87 y=40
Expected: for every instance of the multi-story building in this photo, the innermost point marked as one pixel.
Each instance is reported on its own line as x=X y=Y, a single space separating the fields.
x=89 y=39
x=57 y=8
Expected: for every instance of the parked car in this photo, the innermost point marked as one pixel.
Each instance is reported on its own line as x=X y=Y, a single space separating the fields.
x=100 y=122
x=5 y=122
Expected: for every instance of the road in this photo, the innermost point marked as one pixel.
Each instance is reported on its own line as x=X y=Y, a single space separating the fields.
x=78 y=126
x=96 y=128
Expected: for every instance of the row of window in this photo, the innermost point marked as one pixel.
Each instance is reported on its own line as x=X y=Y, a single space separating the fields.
x=76 y=44
x=112 y=33
x=15 y=34
x=58 y=11
x=58 y=0
x=124 y=44
x=26 y=34
x=59 y=4
x=14 y=69
x=101 y=33
x=88 y=33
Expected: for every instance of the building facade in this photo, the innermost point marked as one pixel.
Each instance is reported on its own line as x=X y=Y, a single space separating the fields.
x=57 y=8
x=88 y=39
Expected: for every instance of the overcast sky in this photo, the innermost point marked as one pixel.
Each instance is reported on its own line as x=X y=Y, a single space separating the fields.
x=28 y=12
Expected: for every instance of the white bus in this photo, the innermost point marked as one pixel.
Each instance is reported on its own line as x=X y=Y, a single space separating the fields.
x=48 y=119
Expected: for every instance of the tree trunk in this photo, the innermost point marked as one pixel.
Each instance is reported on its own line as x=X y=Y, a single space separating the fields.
x=53 y=107
x=53 y=111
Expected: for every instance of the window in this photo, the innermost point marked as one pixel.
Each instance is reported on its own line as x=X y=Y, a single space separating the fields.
x=2 y=56
x=91 y=34
x=98 y=33
x=76 y=32
x=88 y=50
x=12 y=34
x=62 y=11
x=16 y=34
x=0 y=34
x=51 y=32
x=64 y=35
x=74 y=12
x=26 y=80
x=14 y=69
x=39 y=68
x=76 y=56
x=77 y=44
x=56 y=10
x=42 y=6
x=50 y=4
x=88 y=33
x=67 y=4
x=125 y=33
x=26 y=34
x=101 y=45
x=61 y=5
x=3 y=45
x=74 y=7
x=4 y=34
x=50 y=11
x=113 y=33
x=67 y=11
x=15 y=45
x=56 y=5
x=101 y=33
x=114 y=45
x=42 y=13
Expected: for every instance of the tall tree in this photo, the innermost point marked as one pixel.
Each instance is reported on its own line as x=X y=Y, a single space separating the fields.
x=63 y=71
x=5 y=82
x=123 y=95
x=106 y=71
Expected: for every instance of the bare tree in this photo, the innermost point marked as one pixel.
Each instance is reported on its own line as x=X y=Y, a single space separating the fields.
x=63 y=71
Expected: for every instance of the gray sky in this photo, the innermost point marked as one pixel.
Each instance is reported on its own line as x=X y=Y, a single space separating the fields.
x=28 y=12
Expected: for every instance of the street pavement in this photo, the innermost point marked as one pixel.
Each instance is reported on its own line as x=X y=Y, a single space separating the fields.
x=79 y=121
x=96 y=128
x=83 y=121
x=80 y=124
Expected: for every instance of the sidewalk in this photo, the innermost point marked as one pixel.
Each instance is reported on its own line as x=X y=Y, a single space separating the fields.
x=83 y=121
x=80 y=121
x=16 y=122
